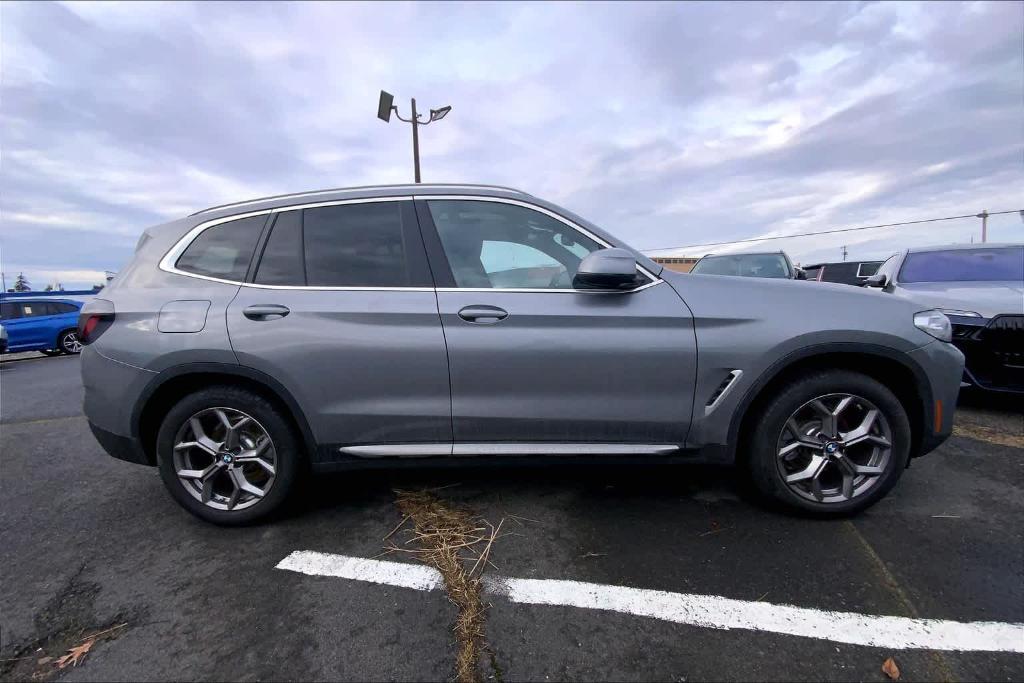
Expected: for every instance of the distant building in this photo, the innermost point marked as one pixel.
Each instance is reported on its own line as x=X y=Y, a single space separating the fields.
x=680 y=264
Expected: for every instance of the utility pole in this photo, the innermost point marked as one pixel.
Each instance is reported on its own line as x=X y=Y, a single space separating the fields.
x=384 y=108
x=415 y=141
x=984 y=225
x=844 y=252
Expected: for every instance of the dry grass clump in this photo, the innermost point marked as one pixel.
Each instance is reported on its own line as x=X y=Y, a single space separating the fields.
x=458 y=545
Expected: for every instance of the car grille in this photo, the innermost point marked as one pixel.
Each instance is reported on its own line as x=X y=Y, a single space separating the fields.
x=994 y=353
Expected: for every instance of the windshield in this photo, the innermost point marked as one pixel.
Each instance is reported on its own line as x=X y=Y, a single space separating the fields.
x=745 y=265
x=964 y=265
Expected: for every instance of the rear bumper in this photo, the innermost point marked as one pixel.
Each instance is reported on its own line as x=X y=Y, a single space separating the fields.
x=121 y=447
x=111 y=392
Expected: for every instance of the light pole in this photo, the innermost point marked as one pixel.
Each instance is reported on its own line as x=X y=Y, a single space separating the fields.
x=384 y=108
x=984 y=225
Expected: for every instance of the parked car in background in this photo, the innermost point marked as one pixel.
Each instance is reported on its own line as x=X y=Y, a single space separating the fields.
x=843 y=272
x=981 y=289
x=44 y=324
x=373 y=326
x=775 y=264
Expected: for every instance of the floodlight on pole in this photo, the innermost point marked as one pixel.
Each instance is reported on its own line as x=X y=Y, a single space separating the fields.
x=386 y=105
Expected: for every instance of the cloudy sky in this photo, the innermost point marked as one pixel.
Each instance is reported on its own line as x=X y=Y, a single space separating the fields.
x=668 y=124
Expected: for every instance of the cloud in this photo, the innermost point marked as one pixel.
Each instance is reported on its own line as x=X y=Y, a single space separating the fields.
x=668 y=124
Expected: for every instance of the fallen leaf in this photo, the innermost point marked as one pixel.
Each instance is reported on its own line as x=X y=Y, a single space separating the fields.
x=890 y=669
x=75 y=654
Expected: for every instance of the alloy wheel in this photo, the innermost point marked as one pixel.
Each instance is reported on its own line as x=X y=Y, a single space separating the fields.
x=225 y=459
x=834 y=448
x=70 y=343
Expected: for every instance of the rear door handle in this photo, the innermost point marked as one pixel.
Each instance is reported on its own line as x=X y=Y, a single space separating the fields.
x=265 y=312
x=484 y=315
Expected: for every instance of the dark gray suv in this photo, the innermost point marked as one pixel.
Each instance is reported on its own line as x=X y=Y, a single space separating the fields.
x=372 y=326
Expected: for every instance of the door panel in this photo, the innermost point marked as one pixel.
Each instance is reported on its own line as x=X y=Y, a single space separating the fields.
x=365 y=366
x=570 y=367
x=343 y=313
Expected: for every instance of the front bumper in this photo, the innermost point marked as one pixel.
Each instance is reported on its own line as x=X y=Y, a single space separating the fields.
x=994 y=351
x=943 y=365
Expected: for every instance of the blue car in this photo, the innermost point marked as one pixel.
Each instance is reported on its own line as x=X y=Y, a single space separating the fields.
x=43 y=324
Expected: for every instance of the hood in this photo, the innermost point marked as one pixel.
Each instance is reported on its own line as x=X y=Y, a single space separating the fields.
x=989 y=299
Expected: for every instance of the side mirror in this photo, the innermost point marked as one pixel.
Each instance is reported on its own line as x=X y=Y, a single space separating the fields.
x=606 y=269
x=801 y=274
x=880 y=280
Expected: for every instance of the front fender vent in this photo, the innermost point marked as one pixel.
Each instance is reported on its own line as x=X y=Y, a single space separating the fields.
x=716 y=397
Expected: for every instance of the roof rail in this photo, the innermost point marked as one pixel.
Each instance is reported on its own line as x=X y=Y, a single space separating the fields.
x=359 y=187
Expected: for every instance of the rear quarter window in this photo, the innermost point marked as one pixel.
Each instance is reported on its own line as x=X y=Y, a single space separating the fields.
x=223 y=251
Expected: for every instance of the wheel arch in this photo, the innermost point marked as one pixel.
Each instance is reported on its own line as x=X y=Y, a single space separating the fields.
x=172 y=384
x=895 y=370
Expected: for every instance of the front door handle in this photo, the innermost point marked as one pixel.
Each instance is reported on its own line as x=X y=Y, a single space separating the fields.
x=484 y=315
x=265 y=312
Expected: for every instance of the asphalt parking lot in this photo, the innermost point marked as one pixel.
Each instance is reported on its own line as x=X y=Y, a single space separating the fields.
x=90 y=543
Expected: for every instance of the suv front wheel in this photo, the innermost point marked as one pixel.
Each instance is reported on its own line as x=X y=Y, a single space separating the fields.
x=227 y=455
x=831 y=444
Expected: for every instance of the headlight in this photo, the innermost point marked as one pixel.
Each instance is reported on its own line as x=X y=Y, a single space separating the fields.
x=935 y=323
x=962 y=314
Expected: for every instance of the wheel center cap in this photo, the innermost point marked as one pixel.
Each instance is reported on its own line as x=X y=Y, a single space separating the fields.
x=227 y=458
x=831 y=447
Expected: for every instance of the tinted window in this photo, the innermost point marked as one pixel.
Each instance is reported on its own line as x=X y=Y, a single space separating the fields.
x=964 y=265
x=65 y=308
x=744 y=265
x=223 y=251
x=8 y=311
x=281 y=263
x=33 y=309
x=868 y=268
x=504 y=246
x=355 y=245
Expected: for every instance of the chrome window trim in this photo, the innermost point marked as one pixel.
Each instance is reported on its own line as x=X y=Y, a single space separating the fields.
x=170 y=259
x=313 y=193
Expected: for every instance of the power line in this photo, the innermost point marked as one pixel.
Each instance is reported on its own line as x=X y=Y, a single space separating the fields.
x=831 y=232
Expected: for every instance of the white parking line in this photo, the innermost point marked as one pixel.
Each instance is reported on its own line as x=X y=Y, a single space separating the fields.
x=709 y=611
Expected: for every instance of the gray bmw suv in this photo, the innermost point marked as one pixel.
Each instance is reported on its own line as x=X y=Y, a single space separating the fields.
x=372 y=326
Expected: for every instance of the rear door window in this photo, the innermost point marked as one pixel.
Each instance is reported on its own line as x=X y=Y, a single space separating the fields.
x=33 y=309
x=223 y=251
x=355 y=245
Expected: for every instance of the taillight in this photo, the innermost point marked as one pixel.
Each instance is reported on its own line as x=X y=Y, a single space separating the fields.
x=94 y=319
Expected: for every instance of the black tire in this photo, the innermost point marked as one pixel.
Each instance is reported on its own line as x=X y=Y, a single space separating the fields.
x=51 y=352
x=763 y=453
x=287 y=447
x=67 y=342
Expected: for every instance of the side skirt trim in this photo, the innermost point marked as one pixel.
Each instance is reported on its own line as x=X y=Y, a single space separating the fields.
x=427 y=450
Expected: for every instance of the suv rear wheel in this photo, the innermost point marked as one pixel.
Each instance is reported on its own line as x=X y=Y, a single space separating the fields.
x=831 y=444
x=227 y=455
